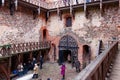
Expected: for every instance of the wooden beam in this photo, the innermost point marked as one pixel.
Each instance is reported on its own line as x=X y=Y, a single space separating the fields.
x=5 y=71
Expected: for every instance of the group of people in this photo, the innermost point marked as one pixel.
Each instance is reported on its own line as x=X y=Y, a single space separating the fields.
x=33 y=65
x=30 y=65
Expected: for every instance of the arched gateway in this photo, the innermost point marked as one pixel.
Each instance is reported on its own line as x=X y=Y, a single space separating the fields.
x=68 y=49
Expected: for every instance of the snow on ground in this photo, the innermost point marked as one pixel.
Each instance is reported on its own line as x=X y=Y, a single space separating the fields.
x=26 y=77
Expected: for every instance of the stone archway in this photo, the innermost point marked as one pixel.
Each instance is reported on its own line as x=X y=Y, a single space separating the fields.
x=86 y=55
x=68 y=43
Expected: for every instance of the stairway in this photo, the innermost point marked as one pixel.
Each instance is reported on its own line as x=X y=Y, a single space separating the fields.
x=115 y=74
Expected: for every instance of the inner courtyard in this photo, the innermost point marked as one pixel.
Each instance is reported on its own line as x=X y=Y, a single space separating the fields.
x=58 y=39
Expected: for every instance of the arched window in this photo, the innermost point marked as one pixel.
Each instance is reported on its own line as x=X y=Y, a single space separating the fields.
x=68 y=21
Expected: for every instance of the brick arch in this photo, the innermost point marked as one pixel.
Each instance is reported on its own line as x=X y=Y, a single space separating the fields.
x=43 y=33
x=86 y=55
x=67 y=42
x=73 y=34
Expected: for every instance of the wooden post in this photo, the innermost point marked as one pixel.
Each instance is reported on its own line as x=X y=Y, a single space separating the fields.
x=9 y=68
x=21 y=57
x=31 y=57
x=101 y=11
x=38 y=56
x=119 y=3
x=58 y=10
x=18 y=58
x=70 y=8
x=61 y=15
x=85 y=7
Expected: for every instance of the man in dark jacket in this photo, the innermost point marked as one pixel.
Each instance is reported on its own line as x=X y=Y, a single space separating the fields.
x=77 y=65
x=41 y=62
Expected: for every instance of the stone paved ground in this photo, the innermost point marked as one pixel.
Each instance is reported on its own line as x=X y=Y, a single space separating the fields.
x=52 y=70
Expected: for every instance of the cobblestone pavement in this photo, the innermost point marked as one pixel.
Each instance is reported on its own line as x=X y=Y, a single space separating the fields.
x=52 y=71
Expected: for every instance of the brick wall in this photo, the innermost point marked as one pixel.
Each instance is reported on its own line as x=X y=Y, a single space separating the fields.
x=88 y=30
x=21 y=27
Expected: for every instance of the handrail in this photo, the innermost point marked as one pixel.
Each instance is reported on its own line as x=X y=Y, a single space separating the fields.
x=23 y=47
x=39 y=3
x=98 y=68
x=56 y=4
x=59 y=3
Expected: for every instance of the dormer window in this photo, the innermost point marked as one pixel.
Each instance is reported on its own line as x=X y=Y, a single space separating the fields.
x=68 y=21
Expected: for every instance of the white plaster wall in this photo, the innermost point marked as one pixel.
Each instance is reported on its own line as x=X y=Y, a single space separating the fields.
x=55 y=25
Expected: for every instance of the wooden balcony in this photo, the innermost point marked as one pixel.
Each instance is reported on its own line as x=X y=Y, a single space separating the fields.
x=64 y=5
x=11 y=49
x=61 y=5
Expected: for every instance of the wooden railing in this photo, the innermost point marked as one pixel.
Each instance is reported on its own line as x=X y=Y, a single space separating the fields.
x=38 y=3
x=7 y=50
x=61 y=3
x=97 y=69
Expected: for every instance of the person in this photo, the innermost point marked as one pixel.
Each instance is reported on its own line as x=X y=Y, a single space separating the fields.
x=77 y=66
x=35 y=73
x=20 y=69
x=65 y=1
x=63 y=70
x=76 y=1
x=69 y=59
x=41 y=62
x=68 y=1
x=48 y=78
x=33 y=62
x=29 y=65
x=25 y=70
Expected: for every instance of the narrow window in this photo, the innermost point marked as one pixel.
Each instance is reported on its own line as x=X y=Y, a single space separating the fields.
x=68 y=22
x=44 y=34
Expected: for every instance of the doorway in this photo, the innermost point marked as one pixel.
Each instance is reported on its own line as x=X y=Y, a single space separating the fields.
x=86 y=55
x=68 y=46
x=64 y=56
x=26 y=57
x=14 y=62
